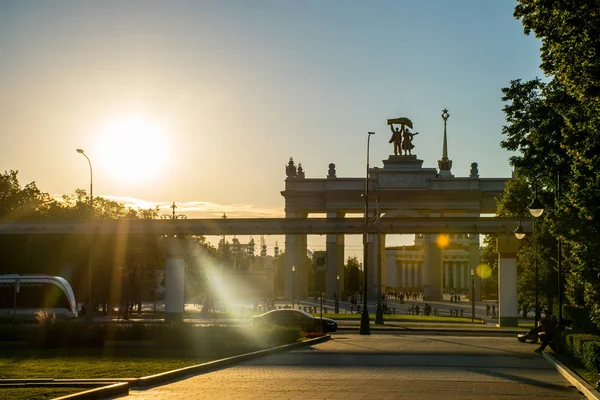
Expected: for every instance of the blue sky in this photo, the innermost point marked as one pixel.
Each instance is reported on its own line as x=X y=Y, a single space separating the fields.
x=232 y=89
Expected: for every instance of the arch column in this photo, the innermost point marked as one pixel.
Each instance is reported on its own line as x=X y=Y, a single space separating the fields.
x=175 y=250
x=374 y=268
x=507 y=246
x=447 y=267
x=295 y=256
x=432 y=277
x=474 y=261
x=454 y=276
x=403 y=284
x=335 y=261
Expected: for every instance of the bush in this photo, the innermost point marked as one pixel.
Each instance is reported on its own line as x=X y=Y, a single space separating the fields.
x=43 y=317
x=591 y=355
x=200 y=339
x=584 y=347
x=580 y=318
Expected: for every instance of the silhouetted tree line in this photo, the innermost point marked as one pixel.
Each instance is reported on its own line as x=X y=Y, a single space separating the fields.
x=126 y=269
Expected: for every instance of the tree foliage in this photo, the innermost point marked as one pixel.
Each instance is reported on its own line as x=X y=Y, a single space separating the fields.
x=554 y=125
x=125 y=269
x=353 y=275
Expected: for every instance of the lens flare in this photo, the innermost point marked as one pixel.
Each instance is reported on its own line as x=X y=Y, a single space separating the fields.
x=442 y=240
x=483 y=271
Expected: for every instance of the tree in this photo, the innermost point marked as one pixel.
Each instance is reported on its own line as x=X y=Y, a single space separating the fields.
x=17 y=202
x=353 y=275
x=555 y=126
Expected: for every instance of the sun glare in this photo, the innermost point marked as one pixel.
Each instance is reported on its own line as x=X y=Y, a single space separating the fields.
x=132 y=148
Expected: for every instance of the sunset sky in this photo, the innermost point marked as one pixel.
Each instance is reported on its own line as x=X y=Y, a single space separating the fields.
x=203 y=102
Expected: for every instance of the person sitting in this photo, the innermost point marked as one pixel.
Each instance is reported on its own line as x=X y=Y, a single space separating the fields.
x=549 y=324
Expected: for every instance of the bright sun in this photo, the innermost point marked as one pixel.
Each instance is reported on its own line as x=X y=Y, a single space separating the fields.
x=133 y=148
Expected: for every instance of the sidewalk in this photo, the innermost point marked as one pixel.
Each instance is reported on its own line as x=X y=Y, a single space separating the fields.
x=383 y=366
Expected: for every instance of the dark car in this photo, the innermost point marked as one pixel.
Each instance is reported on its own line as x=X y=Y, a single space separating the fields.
x=289 y=317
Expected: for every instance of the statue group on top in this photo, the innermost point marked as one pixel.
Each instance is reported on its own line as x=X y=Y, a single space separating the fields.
x=402 y=137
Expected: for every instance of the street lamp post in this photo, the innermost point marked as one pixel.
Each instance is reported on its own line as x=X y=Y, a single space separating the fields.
x=337 y=294
x=224 y=217
x=536 y=208
x=472 y=295
x=365 y=329
x=293 y=286
x=89 y=314
x=379 y=308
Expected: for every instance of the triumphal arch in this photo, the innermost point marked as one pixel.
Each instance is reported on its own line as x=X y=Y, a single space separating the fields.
x=403 y=187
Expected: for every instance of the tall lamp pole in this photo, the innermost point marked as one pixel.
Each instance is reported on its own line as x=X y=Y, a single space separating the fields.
x=223 y=246
x=379 y=309
x=293 y=286
x=536 y=208
x=89 y=317
x=365 y=329
x=337 y=294
x=472 y=295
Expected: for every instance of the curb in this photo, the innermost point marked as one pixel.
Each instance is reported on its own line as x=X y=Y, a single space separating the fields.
x=437 y=331
x=114 y=390
x=581 y=385
x=153 y=380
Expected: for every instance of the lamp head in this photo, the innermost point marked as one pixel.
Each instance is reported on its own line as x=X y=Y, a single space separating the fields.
x=519 y=232
x=80 y=151
x=293 y=268
x=536 y=208
x=371 y=133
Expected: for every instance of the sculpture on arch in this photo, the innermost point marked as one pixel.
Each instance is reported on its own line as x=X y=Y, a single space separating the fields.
x=402 y=137
x=290 y=169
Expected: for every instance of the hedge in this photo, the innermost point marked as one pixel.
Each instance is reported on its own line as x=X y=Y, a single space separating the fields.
x=164 y=335
x=584 y=347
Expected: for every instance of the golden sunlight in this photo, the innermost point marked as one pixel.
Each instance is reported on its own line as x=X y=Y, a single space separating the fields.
x=443 y=240
x=132 y=148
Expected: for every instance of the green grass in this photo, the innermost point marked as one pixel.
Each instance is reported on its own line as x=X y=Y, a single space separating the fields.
x=525 y=324
x=37 y=393
x=402 y=318
x=98 y=363
x=574 y=365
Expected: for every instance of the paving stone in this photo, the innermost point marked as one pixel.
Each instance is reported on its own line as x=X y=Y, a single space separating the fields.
x=382 y=367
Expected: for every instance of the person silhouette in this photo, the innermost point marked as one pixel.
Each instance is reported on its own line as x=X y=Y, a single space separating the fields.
x=396 y=138
x=407 y=138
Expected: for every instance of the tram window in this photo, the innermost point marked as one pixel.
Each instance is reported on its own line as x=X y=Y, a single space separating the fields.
x=41 y=295
x=7 y=295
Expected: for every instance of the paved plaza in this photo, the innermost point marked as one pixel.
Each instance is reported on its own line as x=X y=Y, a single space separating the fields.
x=383 y=366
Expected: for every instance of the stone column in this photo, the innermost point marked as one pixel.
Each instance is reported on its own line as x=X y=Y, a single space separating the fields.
x=420 y=272
x=291 y=260
x=391 y=276
x=374 y=268
x=507 y=246
x=175 y=250
x=383 y=278
x=335 y=265
x=403 y=283
x=454 y=276
x=304 y=266
x=335 y=261
x=432 y=283
x=446 y=275
x=474 y=260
